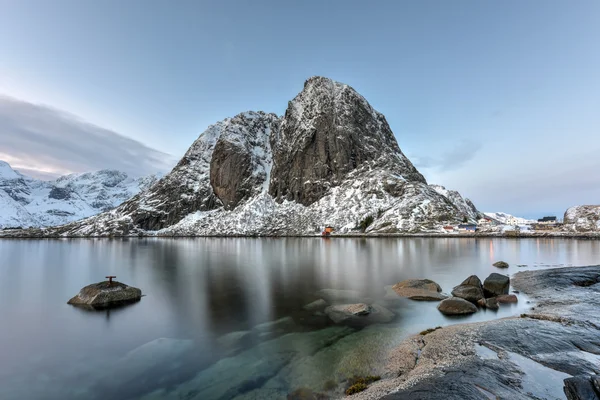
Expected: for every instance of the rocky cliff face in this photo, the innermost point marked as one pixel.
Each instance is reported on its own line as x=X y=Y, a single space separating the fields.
x=583 y=218
x=330 y=160
x=328 y=131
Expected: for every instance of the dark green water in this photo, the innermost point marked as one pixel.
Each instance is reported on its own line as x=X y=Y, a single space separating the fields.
x=197 y=333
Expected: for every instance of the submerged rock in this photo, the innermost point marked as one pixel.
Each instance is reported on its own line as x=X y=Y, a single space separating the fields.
x=279 y=325
x=456 y=306
x=105 y=295
x=500 y=264
x=316 y=305
x=419 y=289
x=342 y=296
x=343 y=312
x=495 y=285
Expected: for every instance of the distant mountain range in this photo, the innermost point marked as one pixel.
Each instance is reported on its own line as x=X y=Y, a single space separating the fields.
x=330 y=160
x=28 y=202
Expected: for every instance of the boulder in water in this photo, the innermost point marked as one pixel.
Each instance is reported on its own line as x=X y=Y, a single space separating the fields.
x=495 y=285
x=500 y=264
x=105 y=295
x=456 y=306
x=419 y=289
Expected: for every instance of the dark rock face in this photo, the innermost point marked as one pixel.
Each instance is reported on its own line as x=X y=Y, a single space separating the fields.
x=456 y=306
x=500 y=264
x=59 y=193
x=495 y=285
x=328 y=131
x=105 y=295
x=240 y=162
x=189 y=186
x=582 y=387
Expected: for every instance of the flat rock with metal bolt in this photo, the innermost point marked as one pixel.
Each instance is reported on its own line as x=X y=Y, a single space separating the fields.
x=106 y=294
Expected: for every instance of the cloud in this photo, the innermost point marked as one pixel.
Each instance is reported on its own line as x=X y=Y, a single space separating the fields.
x=451 y=159
x=46 y=142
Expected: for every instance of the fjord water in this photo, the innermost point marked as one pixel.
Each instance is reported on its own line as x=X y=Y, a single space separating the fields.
x=202 y=329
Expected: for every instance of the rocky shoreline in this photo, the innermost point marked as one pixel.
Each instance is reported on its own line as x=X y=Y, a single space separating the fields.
x=535 y=355
x=42 y=234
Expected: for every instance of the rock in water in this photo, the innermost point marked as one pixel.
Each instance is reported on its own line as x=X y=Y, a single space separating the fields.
x=491 y=303
x=419 y=289
x=342 y=312
x=507 y=298
x=470 y=289
x=472 y=280
x=495 y=285
x=456 y=306
x=500 y=264
x=105 y=295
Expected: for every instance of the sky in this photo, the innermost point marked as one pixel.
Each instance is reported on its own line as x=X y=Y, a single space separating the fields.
x=498 y=100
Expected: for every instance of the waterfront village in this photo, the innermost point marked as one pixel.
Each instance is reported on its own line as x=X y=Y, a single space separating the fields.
x=511 y=224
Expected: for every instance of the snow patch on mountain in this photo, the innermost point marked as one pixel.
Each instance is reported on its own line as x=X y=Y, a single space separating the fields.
x=465 y=206
x=507 y=219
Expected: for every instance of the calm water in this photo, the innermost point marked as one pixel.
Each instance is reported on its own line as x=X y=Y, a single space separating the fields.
x=197 y=333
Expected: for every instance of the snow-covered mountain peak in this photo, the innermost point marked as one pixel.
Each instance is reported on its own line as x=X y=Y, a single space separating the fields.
x=331 y=159
x=6 y=171
x=27 y=202
x=330 y=131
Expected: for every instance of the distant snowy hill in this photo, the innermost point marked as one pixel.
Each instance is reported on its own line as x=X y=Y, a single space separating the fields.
x=29 y=202
x=584 y=218
x=508 y=219
x=331 y=159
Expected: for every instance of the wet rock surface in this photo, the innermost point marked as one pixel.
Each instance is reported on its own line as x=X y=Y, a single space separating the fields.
x=514 y=358
x=507 y=298
x=470 y=293
x=456 y=306
x=106 y=295
x=496 y=284
x=500 y=264
x=419 y=289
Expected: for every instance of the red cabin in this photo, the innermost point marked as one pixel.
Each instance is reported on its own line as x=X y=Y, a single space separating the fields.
x=327 y=232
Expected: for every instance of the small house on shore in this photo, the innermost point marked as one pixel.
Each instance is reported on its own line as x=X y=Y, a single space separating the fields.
x=467 y=228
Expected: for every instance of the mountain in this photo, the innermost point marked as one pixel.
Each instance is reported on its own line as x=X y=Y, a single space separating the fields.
x=508 y=219
x=28 y=202
x=583 y=218
x=330 y=160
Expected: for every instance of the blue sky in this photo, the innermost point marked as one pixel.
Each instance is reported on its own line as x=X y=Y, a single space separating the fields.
x=499 y=100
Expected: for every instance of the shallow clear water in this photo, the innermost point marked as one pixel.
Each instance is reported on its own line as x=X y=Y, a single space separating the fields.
x=177 y=342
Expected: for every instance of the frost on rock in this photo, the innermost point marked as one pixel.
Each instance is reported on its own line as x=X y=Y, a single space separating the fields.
x=330 y=160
